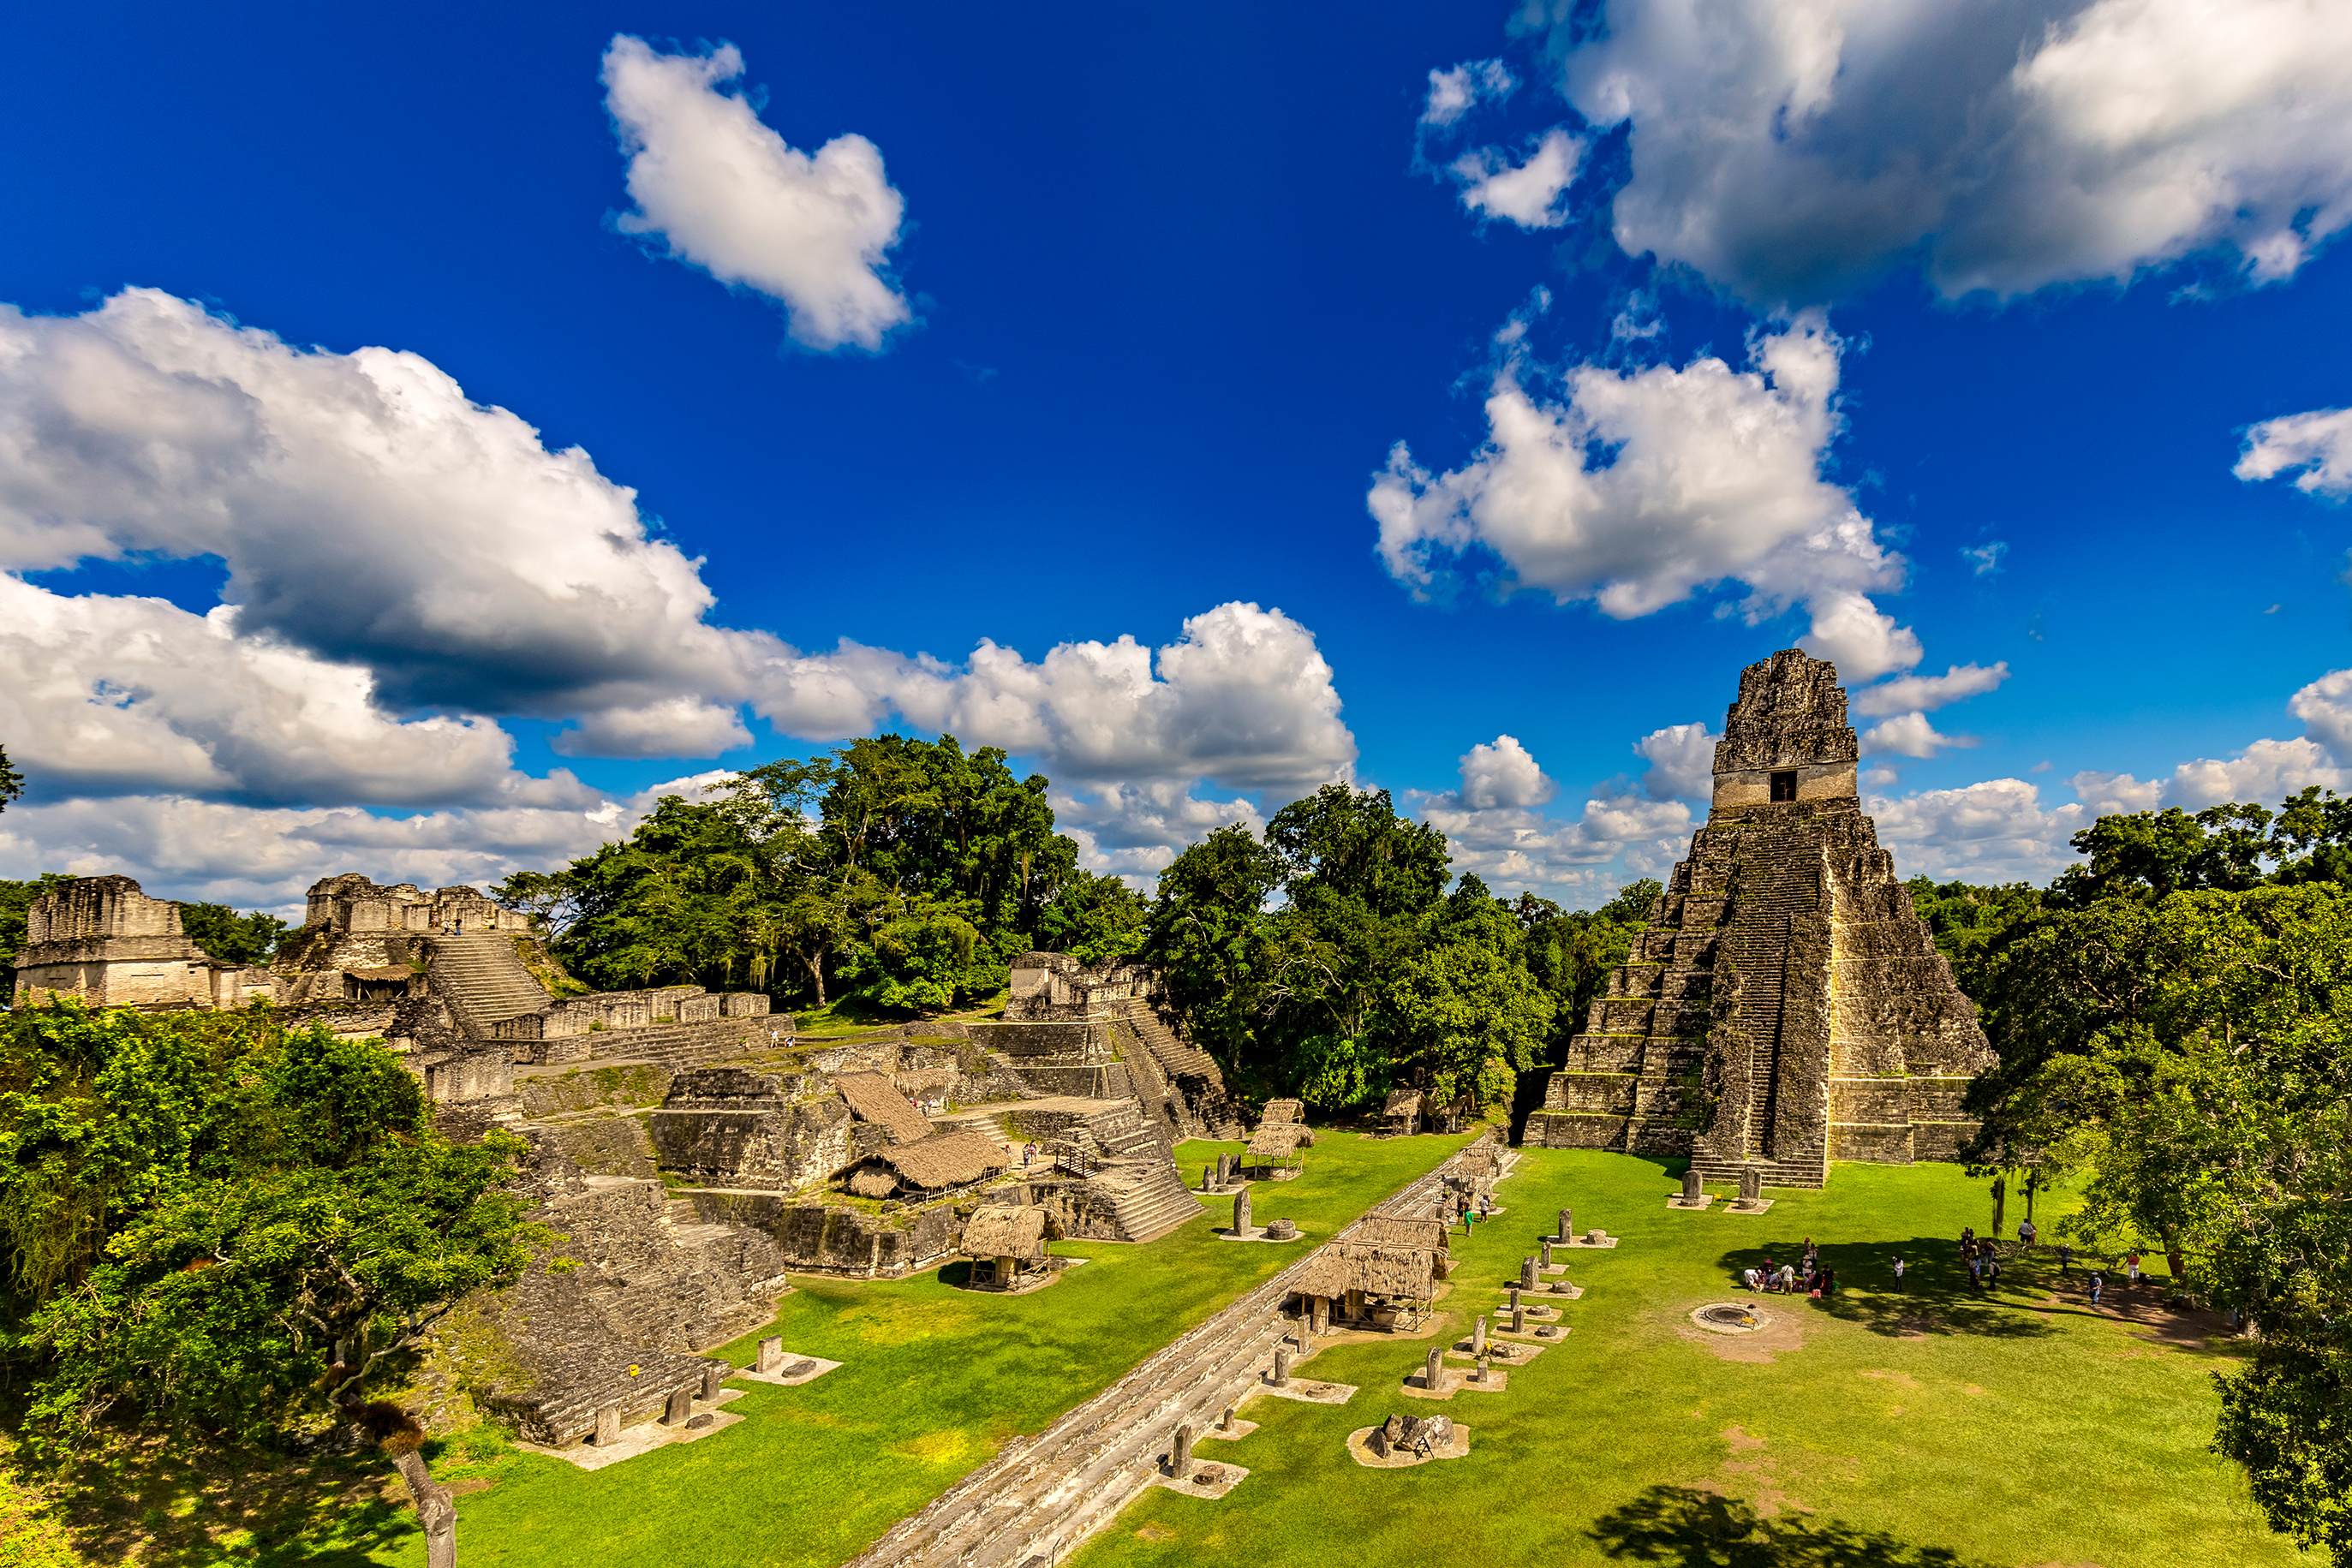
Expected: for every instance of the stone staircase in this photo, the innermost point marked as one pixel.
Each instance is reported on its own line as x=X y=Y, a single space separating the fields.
x=1149 y=1198
x=677 y=1045
x=1186 y=1065
x=483 y=980
x=1038 y=1500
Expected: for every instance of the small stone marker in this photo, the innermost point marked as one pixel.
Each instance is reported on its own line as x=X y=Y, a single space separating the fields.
x=1179 y=1453
x=1225 y=1420
x=1281 y=1368
x=1518 y=1320
x=1527 y=1273
x=1429 y=1372
x=1515 y=1298
x=1545 y=1254
x=697 y=1423
x=680 y=1405
x=1691 y=1193
x=1481 y=1369
x=1478 y=1336
x=1751 y=1185
x=771 y=1354
x=1241 y=1212
x=608 y=1426
x=713 y=1376
x=1568 y=1225
x=1280 y=1230
x=1208 y=1177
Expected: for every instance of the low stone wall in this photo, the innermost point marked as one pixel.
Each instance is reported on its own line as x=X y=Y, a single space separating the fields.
x=825 y=1238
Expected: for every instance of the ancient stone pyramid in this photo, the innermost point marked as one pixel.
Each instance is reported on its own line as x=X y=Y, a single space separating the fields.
x=1785 y=1007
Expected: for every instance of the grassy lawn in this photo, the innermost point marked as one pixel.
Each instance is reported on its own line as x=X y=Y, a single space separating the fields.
x=2012 y=1429
x=935 y=1379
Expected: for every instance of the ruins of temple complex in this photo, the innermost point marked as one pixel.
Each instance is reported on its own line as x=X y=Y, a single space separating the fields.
x=1785 y=1007
x=101 y=939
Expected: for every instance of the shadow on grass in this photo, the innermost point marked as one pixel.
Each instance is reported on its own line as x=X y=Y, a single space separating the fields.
x=199 y=1505
x=1934 y=1298
x=1701 y=1530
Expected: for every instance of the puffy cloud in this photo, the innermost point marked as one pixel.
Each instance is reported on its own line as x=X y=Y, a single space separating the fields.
x=369 y=513
x=1503 y=774
x=2265 y=772
x=2318 y=442
x=1795 y=150
x=1712 y=474
x=1455 y=93
x=1926 y=692
x=1993 y=830
x=1910 y=734
x=471 y=571
x=1134 y=831
x=1682 y=762
x=264 y=857
x=727 y=194
x=1527 y=192
x=2326 y=709
x=1513 y=849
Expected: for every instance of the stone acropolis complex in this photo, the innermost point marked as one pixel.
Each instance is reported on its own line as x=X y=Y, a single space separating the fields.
x=1785 y=1007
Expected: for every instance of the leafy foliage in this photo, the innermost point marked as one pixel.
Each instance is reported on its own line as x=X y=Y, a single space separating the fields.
x=233 y=938
x=15 y=901
x=198 y=1207
x=904 y=871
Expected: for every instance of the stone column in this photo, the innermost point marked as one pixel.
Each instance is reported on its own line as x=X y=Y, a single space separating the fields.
x=608 y=1426
x=1281 y=1368
x=1691 y=1193
x=1567 y=1225
x=680 y=1405
x=1179 y=1453
x=1242 y=1212
x=1526 y=1274
x=1481 y=1369
x=771 y=1354
x=1478 y=1336
x=1225 y=1421
x=1515 y=1298
x=1432 y=1368
x=1319 y=1314
x=1208 y=1174
x=1751 y=1185
x=713 y=1376
x=1518 y=1320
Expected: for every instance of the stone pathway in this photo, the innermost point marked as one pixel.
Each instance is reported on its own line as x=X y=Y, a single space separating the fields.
x=1033 y=1504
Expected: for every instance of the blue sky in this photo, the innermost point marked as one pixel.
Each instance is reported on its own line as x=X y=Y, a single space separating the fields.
x=1158 y=297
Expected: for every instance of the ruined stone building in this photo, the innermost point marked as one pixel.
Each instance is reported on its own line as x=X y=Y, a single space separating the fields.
x=100 y=939
x=1784 y=1007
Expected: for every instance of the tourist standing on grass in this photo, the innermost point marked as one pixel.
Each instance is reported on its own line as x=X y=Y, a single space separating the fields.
x=1898 y=1271
x=2026 y=1234
x=2132 y=1264
x=1788 y=1278
x=2065 y=1259
x=2099 y=1282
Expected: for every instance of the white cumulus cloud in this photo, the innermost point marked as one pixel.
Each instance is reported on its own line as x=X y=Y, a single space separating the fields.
x=1792 y=151
x=1528 y=192
x=1927 y=693
x=1682 y=762
x=2318 y=442
x=1910 y=734
x=1503 y=774
x=731 y=196
x=1455 y=93
x=1640 y=488
x=1990 y=832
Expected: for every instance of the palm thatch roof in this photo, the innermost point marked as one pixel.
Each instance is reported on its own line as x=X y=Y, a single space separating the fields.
x=1403 y=1103
x=944 y=1159
x=874 y=1181
x=873 y=1099
x=1278 y=1140
x=382 y=974
x=1003 y=1230
x=1410 y=1273
x=1425 y=1233
x=1283 y=1110
x=1479 y=1160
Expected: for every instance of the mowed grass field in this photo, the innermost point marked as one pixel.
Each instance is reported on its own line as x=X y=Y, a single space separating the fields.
x=934 y=1379
x=1925 y=1426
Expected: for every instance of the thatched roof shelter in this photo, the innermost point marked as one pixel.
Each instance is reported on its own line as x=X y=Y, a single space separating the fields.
x=935 y=1163
x=1279 y=1140
x=873 y=1098
x=1005 y=1230
x=1403 y=1103
x=1283 y=1110
x=1408 y=1231
x=1407 y=1273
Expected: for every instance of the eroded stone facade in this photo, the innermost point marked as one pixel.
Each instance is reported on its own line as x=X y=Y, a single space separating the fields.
x=100 y=939
x=1785 y=1007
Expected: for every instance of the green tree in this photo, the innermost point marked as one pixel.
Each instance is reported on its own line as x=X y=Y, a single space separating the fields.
x=233 y=938
x=12 y=783
x=16 y=905
x=216 y=1227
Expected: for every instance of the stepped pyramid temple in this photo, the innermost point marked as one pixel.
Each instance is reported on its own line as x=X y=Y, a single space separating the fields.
x=1785 y=1007
x=690 y=1147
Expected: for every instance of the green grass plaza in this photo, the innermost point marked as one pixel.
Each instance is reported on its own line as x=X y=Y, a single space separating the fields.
x=1930 y=1425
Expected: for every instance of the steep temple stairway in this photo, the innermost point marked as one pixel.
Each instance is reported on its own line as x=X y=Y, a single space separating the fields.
x=484 y=979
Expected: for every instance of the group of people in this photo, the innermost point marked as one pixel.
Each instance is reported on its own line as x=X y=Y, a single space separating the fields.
x=1786 y=1279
